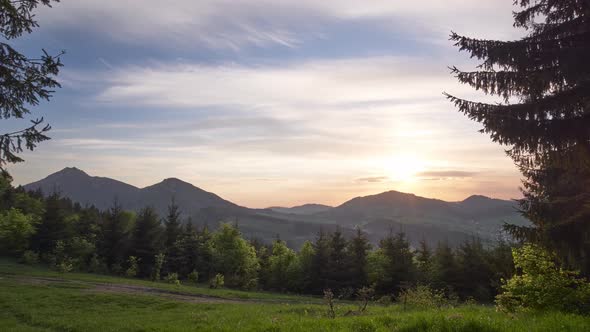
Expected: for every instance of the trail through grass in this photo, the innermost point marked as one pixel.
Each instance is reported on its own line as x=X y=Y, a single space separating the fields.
x=33 y=299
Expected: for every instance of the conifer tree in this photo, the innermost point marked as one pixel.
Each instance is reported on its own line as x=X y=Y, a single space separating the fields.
x=147 y=240
x=544 y=118
x=338 y=264
x=358 y=249
x=321 y=258
x=25 y=81
x=423 y=256
x=115 y=235
x=172 y=224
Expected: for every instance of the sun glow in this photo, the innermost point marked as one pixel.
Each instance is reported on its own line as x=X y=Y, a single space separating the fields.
x=404 y=168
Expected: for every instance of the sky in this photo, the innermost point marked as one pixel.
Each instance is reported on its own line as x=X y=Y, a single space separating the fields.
x=269 y=102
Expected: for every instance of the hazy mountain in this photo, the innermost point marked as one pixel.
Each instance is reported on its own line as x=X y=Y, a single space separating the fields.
x=85 y=189
x=419 y=217
x=477 y=215
x=101 y=192
x=302 y=209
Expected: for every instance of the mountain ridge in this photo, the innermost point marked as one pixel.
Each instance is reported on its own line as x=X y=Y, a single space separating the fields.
x=477 y=215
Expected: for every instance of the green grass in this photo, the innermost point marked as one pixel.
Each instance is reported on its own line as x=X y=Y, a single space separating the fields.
x=70 y=306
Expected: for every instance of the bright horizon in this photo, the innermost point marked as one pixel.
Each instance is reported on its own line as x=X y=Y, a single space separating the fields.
x=334 y=100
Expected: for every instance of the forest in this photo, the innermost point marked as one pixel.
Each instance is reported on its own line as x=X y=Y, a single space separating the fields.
x=69 y=237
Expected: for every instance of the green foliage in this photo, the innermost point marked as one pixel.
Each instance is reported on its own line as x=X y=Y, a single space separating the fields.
x=194 y=277
x=30 y=257
x=234 y=257
x=217 y=282
x=158 y=263
x=542 y=79
x=147 y=242
x=542 y=285
x=283 y=267
x=133 y=263
x=16 y=230
x=25 y=81
x=423 y=297
x=172 y=278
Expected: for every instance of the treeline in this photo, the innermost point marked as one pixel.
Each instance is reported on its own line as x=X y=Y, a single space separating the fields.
x=67 y=236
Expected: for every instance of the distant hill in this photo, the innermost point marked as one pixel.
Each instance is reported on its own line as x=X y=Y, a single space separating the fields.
x=302 y=209
x=419 y=217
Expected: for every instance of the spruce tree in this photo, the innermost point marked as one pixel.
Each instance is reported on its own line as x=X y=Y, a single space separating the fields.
x=147 y=240
x=543 y=80
x=321 y=259
x=25 y=81
x=423 y=256
x=337 y=275
x=358 y=249
x=172 y=224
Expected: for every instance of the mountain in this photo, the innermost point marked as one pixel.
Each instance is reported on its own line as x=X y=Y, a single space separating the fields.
x=305 y=209
x=475 y=216
x=101 y=192
x=85 y=189
x=419 y=217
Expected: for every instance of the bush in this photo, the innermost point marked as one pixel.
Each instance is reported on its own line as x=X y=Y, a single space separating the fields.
x=217 y=281
x=172 y=278
x=385 y=300
x=158 y=263
x=542 y=285
x=133 y=267
x=193 y=277
x=30 y=257
x=423 y=297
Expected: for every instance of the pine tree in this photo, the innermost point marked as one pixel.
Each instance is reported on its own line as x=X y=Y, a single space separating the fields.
x=544 y=81
x=338 y=267
x=423 y=257
x=398 y=269
x=475 y=271
x=358 y=249
x=172 y=224
x=445 y=270
x=25 y=81
x=115 y=234
x=54 y=225
x=321 y=259
x=147 y=240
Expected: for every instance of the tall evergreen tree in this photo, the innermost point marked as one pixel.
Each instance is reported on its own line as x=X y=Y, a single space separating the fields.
x=445 y=270
x=147 y=240
x=320 y=263
x=25 y=81
x=54 y=226
x=358 y=249
x=338 y=263
x=173 y=224
x=423 y=256
x=475 y=271
x=115 y=235
x=544 y=81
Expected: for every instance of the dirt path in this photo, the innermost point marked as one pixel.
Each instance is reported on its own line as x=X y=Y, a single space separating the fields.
x=134 y=289
x=178 y=296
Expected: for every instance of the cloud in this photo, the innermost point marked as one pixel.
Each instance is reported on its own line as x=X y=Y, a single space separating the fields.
x=230 y=24
x=304 y=86
x=447 y=174
x=373 y=179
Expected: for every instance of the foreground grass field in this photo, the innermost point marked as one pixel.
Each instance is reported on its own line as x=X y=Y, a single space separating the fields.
x=34 y=299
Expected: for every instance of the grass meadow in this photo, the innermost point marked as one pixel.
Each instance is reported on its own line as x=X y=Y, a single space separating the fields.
x=35 y=299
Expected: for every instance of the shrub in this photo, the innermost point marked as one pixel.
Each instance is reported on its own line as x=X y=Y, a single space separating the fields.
x=172 y=278
x=423 y=297
x=30 y=257
x=385 y=300
x=158 y=263
x=542 y=285
x=133 y=267
x=193 y=277
x=217 y=281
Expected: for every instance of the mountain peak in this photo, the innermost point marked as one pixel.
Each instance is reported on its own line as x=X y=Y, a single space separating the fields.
x=72 y=171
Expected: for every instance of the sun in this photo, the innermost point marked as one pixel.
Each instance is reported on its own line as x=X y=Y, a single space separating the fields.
x=404 y=168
